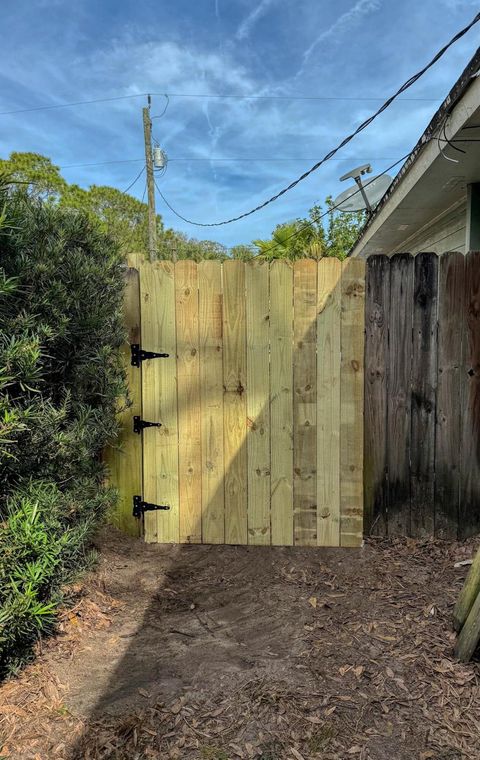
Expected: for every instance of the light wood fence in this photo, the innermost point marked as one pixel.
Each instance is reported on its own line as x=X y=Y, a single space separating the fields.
x=260 y=402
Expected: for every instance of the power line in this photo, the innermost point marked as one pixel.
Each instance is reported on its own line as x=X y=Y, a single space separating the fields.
x=104 y=163
x=405 y=86
x=404 y=158
x=337 y=206
x=134 y=181
x=288 y=97
x=235 y=96
x=332 y=208
x=258 y=159
x=276 y=160
x=74 y=103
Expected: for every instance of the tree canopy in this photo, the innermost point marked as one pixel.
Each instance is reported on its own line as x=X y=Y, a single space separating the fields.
x=311 y=237
x=125 y=219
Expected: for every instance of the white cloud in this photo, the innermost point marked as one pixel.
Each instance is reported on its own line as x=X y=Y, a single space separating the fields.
x=343 y=23
x=247 y=24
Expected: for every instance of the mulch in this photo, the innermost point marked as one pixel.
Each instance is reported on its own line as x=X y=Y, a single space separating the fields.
x=346 y=655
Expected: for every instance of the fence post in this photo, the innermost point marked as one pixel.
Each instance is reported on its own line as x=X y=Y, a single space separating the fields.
x=124 y=458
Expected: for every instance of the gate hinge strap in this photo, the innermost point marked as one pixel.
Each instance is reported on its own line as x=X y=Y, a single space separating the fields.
x=139 y=355
x=139 y=506
x=139 y=424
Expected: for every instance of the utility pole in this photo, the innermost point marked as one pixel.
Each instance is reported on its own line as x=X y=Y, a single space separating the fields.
x=152 y=218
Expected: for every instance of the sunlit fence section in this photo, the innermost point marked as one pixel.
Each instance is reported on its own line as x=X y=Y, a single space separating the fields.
x=260 y=401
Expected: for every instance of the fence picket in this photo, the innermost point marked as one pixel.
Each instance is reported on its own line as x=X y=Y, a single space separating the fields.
x=423 y=393
x=124 y=459
x=328 y=401
x=304 y=402
x=258 y=412
x=188 y=382
x=281 y=402
x=211 y=400
x=377 y=302
x=451 y=351
x=351 y=411
x=399 y=393
x=469 y=514
x=235 y=381
x=159 y=399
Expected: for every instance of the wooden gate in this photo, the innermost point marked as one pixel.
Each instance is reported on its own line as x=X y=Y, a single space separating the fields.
x=260 y=402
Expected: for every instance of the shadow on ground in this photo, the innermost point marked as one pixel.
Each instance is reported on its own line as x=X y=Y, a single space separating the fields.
x=220 y=653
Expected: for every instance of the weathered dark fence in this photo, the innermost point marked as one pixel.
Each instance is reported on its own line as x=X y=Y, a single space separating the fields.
x=422 y=395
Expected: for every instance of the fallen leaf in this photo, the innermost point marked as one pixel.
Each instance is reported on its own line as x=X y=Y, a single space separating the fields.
x=296 y=753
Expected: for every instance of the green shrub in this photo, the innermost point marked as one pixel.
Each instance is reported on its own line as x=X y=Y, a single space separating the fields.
x=61 y=286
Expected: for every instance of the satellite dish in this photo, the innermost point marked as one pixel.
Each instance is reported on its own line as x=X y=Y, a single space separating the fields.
x=362 y=196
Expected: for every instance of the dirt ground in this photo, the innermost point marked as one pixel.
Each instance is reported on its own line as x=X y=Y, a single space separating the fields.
x=219 y=653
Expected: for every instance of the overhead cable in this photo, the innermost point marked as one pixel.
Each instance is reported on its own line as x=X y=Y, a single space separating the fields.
x=307 y=224
x=202 y=96
x=405 y=86
x=134 y=181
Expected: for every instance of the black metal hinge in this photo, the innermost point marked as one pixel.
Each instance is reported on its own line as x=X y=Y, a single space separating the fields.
x=140 y=507
x=139 y=424
x=139 y=355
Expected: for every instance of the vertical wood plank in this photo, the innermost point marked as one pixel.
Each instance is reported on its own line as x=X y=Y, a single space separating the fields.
x=451 y=376
x=188 y=383
x=351 y=414
x=328 y=401
x=377 y=300
x=399 y=393
x=234 y=381
x=305 y=402
x=124 y=459
x=469 y=513
x=211 y=391
x=424 y=390
x=258 y=411
x=281 y=402
x=159 y=394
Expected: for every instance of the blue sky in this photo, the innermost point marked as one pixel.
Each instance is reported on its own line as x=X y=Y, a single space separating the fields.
x=56 y=51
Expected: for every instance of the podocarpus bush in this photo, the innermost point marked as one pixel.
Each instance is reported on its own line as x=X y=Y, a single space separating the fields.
x=61 y=285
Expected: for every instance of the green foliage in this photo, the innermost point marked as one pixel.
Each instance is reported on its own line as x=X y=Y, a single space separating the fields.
x=311 y=238
x=123 y=217
x=43 y=542
x=36 y=173
x=177 y=245
x=61 y=286
x=242 y=252
x=118 y=214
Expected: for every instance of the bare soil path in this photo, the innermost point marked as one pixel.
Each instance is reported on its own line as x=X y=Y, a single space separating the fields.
x=218 y=653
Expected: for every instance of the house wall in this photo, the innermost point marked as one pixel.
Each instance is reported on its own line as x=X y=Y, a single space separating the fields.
x=444 y=233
